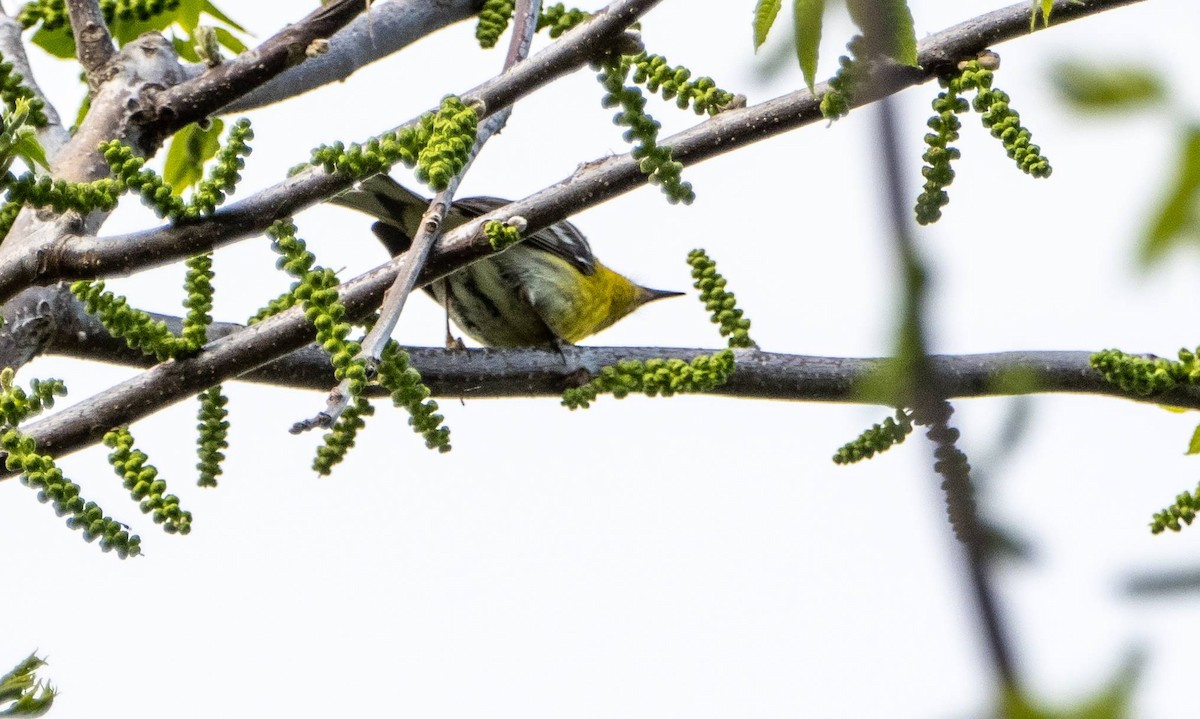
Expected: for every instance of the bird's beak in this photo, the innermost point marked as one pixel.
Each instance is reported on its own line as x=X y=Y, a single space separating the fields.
x=649 y=295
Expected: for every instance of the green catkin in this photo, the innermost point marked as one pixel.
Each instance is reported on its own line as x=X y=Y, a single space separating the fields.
x=404 y=384
x=144 y=484
x=52 y=14
x=559 y=19
x=879 y=438
x=716 y=299
x=654 y=160
x=501 y=234
x=1183 y=511
x=494 y=17
x=212 y=431
x=654 y=377
x=340 y=439
x=437 y=145
x=138 y=329
x=852 y=68
x=997 y=116
x=39 y=472
x=14 y=89
x=198 y=303
x=1143 y=376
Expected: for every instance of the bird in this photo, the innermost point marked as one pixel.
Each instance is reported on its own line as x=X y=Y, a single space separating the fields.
x=547 y=291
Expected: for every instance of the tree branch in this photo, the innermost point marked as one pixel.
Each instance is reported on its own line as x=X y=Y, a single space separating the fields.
x=86 y=257
x=388 y=28
x=93 y=42
x=202 y=96
x=593 y=183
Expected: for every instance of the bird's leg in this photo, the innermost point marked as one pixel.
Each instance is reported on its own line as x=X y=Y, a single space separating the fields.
x=452 y=342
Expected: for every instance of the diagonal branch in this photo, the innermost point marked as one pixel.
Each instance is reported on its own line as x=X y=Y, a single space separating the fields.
x=388 y=28
x=202 y=96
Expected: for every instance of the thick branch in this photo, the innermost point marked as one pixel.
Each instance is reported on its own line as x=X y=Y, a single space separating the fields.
x=93 y=42
x=202 y=96
x=388 y=28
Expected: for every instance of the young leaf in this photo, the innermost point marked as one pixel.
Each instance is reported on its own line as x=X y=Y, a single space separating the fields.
x=809 y=14
x=1194 y=445
x=1047 y=6
x=1178 y=219
x=229 y=41
x=26 y=145
x=764 y=17
x=894 y=20
x=190 y=149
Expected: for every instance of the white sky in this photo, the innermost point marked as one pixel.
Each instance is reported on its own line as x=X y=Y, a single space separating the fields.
x=696 y=557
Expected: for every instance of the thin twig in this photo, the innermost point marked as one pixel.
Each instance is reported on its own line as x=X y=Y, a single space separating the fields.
x=93 y=42
x=428 y=231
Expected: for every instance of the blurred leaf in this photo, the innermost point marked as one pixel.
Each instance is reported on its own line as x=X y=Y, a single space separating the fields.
x=764 y=17
x=1112 y=702
x=190 y=148
x=1176 y=221
x=230 y=41
x=58 y=43
x=212 y=10
x=185 y=49
x=809 y=15
x=1153 y=585
x=895 y=19
x=61 y=44
x=1001 y=543
x=1105 y=88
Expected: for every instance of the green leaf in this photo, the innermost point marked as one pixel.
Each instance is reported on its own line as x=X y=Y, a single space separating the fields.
x=185 y=49
x=764 y=17
x=1105 y=88
x=809 y=14
x=211 y=9
x=1194 y=445
x=1111 y=702
x=190 y=148
x=230 y=41
x=892 y=17
x=26 y=145
x=1047 y=6
x=59 y=43
x=1177 y=220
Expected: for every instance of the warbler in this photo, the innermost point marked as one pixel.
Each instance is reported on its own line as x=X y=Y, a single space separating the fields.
x=547 y=290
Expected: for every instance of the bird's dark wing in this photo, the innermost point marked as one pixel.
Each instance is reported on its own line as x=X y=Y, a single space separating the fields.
x=400 y=209
x=561 y=239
